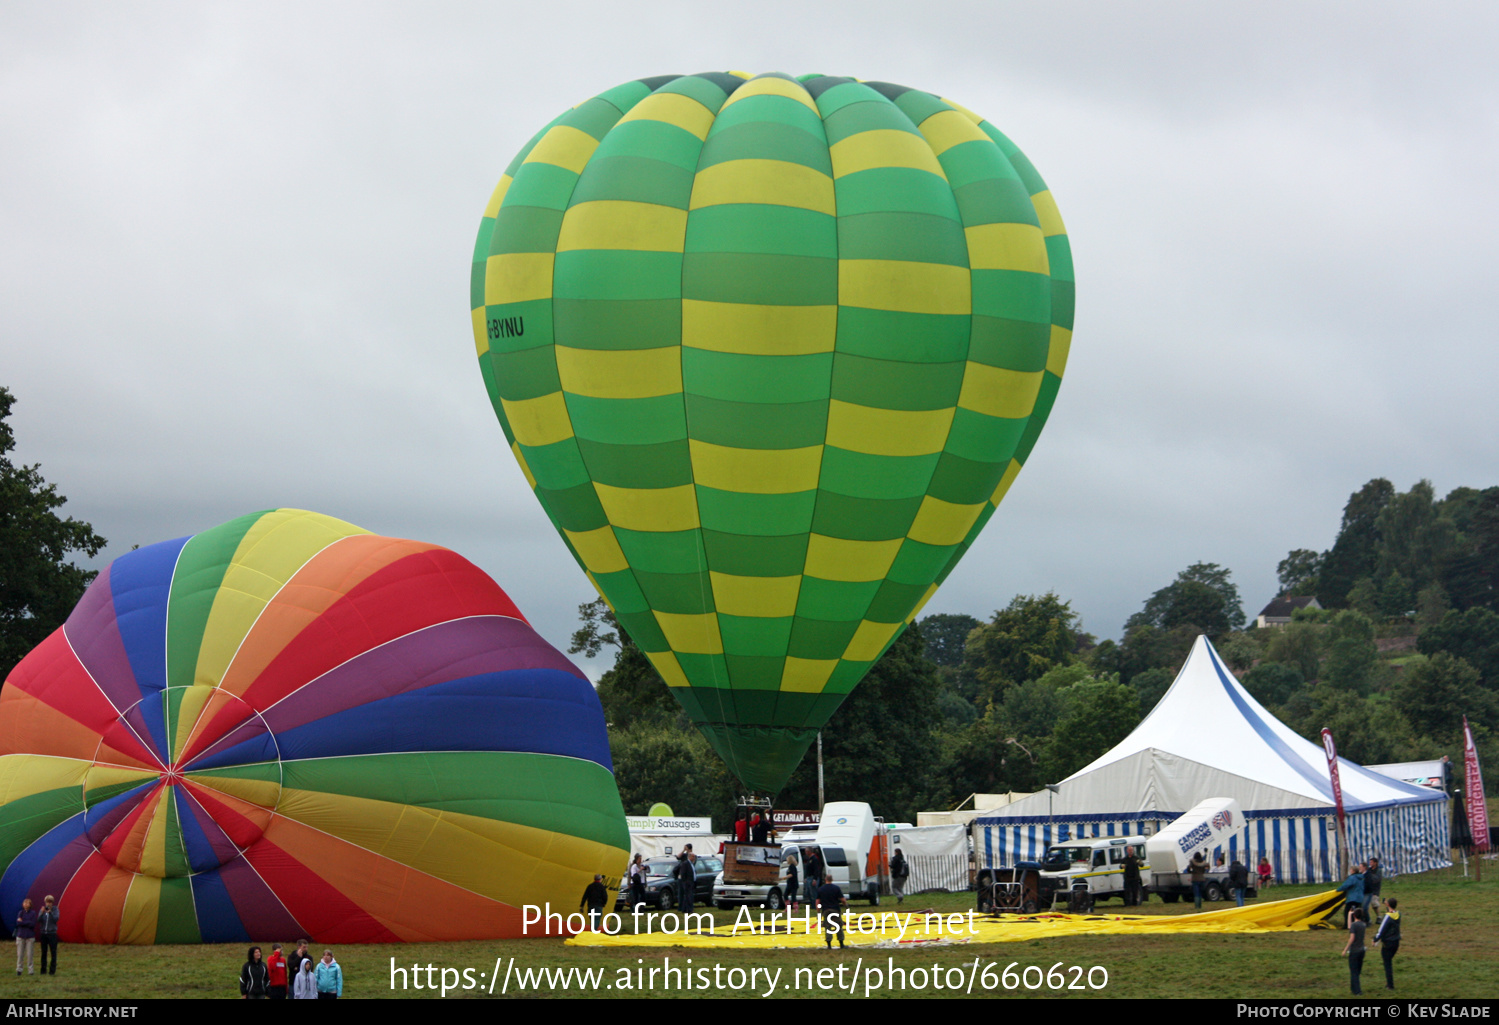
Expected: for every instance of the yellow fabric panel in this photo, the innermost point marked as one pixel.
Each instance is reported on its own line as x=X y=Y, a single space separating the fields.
x=259 y=792
x=623 y=224
x=189 y=710
x=525 y=468
x=22 y=775
x=888 y=432
x=492 y=208
x=504 y=861
x=598 y=549
x=905 y=286
x=517 y=277
x=661 y=509
x=564 y=146
x=97 y=776
x=481 y=330
x=1048 y=214
x=833 y=558
x=1011 y=472
x=620 y=373
x=539 y=421
x=674 y=109
x=670 y=669
x=883 y=147
x=279 y=544
x=756 y=471
x=948 y=128
x=767 y=597
x=869 y=640
x=970 y=115
x=772 y=87
x=154 y=849
x=922 y=603
x=691 y=634
x=138 y=923
x=1061 y=347
x=942 y=523
x=759 y=330
x=773 y=182
x=1007 y=247
x=807 y=675
x=995 y=391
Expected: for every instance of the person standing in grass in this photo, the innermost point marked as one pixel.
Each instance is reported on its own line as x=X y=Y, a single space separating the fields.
x=1352 y=889
x=1388 y=939
x=305 y=988
x=46 y=932
x=275 y=965
x=1198 y=869
x=254 y=977
x=330 y=978
x=1354 y=951
x=294 y=963
x=25 y=937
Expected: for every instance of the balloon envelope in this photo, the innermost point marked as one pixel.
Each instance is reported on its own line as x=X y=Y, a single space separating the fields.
x=770 y=351
x=288 y=726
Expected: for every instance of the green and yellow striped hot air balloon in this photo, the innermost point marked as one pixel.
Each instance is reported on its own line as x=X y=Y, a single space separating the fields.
x=770 y=351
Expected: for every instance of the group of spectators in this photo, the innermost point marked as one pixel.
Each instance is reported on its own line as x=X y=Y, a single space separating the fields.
x=34 y=925
x=1361 y=891
x=265 y=978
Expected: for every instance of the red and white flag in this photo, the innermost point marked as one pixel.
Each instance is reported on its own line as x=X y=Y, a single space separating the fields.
x=1478 y=811
x=1332 y=771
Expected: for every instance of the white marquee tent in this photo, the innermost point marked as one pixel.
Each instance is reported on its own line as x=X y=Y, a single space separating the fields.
x=1207 y=737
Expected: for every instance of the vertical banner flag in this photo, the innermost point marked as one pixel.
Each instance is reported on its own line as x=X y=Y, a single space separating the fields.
x=1478 y=811
x=1332 y=771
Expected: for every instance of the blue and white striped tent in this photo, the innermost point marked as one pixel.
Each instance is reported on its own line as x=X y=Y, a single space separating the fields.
x=1208 y=738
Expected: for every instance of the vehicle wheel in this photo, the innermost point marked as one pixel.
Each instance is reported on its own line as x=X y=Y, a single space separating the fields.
x=1170 y=898
x=1029 y=907
x=1214 y=892
x=773 y=899
x=668 y=900
x=721 y=905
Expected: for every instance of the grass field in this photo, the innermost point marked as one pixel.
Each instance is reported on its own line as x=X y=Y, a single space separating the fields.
x=1448 y=951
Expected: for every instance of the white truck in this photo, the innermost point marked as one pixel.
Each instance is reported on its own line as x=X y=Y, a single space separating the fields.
x=1205 y=829
x=853 y=846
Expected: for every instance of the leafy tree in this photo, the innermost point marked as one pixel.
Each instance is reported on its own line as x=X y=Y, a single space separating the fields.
x=1431 y=606
x=1298 y=571
x=1241 y=650
x=946 y=634
x=1203 y=597
x=1351 y=654
x=1472 y=635
x=1099 y=714
x=1413 y=537
x=1363 y=596
x=1022 y=642
x=1368 y=730
x=38 y=586
x=1396 y=596
x=631 y=691
x=1145 y=648
x=1469 y=571
x=1355 y=552
x=1297 y=644
x=671 y=762
x=1435 y=693
x=1152 y=685
x=1273 y=683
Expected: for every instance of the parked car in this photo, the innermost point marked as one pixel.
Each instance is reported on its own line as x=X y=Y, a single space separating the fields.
x=661 y=885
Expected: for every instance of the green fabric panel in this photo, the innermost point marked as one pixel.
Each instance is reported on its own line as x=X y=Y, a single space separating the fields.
x=918 y=106
x=176 y=914
x=1017 y=159
x=681 y=594
x=595 y=116
x=526 y=373
x=880 y=189
x=995 y=201
x=576 y=508
x=24 y=820
x=846 y=676
x=860 y=475
x=557 y=466
x=762 y=757
x=977 y=161
x=704 y=702
x=625 y=96
x=617 y=274
x=918 y=563
x=752 y=672
x=707 y=671
x=476 y=276
x=1017 y=294
x=765 y=140
x=700 y=89
x=762 y=278
x=481 y=247
x=492 y=388
x=624 y=593
x=643 y=629
x=889 y=384
x=171 y=701
x=665 y=551
x=96 y=795
x=1048 y=395
x=545 y=185
x=652 y=140
x=835 y=600
x=981 y=438
x=1059 y=257
x=907 y=337
x=618 y=324
x=525 y=150
x=649 y=421
x=572 y=796
x=1012 y=344
x=517 y=326
x=780 y=112
x=899 y=235
x=525 y=229
x=195 y=582
x=176 y=854
x=757 y=425
x=842 y=94
x=1063 y=294
x=758 y=636
x=266 y=772
x=757 y=704
x=640 y=179
x=863 y=519
x=731 y=512
x=819 y=639
x=666 y=465
x=894 y=601
x=853 y=118
x=773 y=556
x=762 y=228
x=965 y=481
x=740 y=378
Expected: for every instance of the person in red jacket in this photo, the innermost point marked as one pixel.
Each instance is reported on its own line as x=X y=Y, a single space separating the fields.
x=276 y=966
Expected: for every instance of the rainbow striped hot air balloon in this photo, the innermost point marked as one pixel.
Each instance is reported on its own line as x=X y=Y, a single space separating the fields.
x=770 y=351
x=288 y=726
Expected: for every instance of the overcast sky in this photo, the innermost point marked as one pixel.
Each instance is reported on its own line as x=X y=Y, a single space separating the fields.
x=235 y=245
